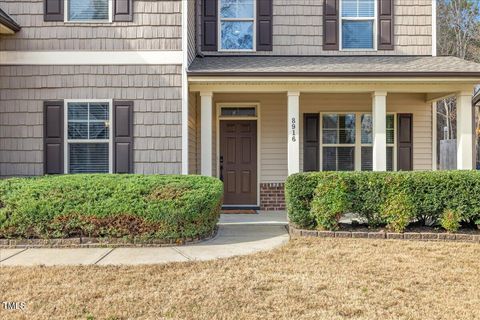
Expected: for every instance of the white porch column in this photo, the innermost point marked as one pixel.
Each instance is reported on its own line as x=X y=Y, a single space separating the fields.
x=464 y=131
x=293 y=132
x=379 y=115
x=206 y=133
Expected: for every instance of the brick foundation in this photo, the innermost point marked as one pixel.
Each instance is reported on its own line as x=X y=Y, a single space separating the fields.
x=272 y=196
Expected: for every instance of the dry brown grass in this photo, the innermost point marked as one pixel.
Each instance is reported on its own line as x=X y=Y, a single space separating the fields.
x=307 y=279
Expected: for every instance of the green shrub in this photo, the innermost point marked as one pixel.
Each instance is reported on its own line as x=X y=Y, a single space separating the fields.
x=330 y=202
x=151 y=206
x=430 y=193
x=450 y=220
x=299 y=190
x=398 y=210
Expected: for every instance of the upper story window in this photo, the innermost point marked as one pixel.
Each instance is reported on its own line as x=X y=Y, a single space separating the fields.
x=88 y=10
x=237 y=25
x=358 y=26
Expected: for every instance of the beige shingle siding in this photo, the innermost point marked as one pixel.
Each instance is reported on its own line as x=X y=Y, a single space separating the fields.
x=155 y=90
x=298 y=29
x=157 y=25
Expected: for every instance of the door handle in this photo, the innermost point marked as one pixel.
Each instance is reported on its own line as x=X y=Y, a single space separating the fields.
x=221 y=168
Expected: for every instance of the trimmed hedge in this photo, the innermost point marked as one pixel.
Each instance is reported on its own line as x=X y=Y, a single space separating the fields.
x=107 y=205
x=393 y=198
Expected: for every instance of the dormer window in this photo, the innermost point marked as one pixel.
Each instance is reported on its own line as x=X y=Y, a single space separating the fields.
x=88 y=10
x=237 y=25
x=357 y=27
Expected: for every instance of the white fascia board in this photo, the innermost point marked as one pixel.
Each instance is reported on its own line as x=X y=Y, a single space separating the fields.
x=90 y=57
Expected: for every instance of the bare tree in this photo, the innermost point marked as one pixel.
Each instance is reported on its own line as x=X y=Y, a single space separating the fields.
x=458 y=34
x=458 y=28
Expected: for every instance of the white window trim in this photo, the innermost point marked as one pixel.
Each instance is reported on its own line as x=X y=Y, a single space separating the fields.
x=375 y=28
x=219 y=28
x=66 y=14
x=66 y=159
x=358 y=138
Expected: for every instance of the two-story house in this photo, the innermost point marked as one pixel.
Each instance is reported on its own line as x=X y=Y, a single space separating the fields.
x=279 y=87
x=249 y=91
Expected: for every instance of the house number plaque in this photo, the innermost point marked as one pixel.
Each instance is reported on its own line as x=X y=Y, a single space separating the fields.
x=294 y=132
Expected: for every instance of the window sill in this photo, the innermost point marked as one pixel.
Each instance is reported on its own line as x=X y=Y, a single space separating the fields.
x=88 y=22
x=358 y=50
x=236 y=51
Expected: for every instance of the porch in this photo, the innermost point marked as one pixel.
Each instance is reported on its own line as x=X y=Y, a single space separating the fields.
x=314 y=122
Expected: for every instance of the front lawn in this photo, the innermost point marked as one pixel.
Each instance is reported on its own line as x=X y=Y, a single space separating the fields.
x=306 y=279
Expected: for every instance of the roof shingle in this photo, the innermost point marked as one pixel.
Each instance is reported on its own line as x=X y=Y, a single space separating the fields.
x=334 y=66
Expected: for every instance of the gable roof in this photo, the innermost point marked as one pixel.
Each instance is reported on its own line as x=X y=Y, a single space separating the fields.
x=334 y=66
x=8 y=23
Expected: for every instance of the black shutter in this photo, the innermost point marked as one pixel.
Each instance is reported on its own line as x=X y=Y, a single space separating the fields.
x=311 y=142
x=405 y=142
x=264 y=25
x=385 y=25
x=330 y=24
x=209 y=25
x=53 y=10
x=53 y=135
x=123 y=136
x=123 y=10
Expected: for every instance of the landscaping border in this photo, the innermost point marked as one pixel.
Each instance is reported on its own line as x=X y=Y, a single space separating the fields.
x=422 y=236
x=89 y=242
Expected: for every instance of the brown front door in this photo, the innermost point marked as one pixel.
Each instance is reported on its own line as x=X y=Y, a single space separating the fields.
x=238 y=161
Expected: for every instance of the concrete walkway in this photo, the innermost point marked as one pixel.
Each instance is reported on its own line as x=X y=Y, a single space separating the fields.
x=237 y=235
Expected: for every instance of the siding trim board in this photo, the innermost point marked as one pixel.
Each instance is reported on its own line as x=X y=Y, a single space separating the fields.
x=91 y=57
